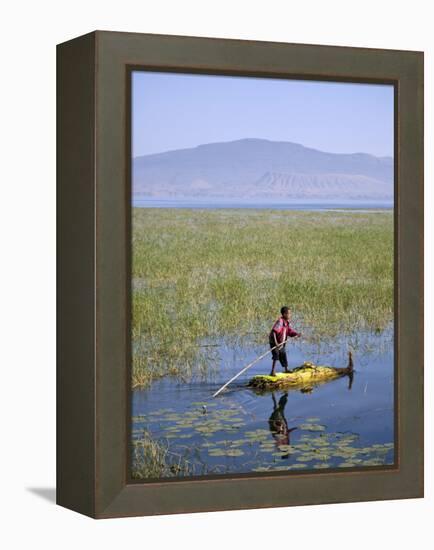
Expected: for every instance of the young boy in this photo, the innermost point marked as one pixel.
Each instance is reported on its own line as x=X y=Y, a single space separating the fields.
x=278 y=335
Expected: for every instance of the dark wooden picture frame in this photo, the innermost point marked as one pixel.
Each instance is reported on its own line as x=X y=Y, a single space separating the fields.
x=94 y=235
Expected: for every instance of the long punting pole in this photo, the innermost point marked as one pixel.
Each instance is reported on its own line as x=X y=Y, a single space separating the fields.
x=248 y=367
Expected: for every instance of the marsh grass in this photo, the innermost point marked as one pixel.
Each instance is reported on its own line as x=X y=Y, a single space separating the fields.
x=203 y=275
x=153 y=459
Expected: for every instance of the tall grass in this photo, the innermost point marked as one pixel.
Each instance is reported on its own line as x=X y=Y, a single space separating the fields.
x=204 y=274
x=152 y=459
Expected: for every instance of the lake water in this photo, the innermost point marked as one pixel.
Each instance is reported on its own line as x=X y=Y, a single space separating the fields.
x=275 y=205
x=338 y=424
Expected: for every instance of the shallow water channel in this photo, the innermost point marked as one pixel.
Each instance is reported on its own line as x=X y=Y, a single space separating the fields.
x=339 y=424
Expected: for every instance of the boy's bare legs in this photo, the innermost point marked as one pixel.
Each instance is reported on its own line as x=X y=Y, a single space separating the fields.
x=272 y=373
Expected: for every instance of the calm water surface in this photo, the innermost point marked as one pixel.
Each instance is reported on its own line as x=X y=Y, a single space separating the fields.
x=276 y=205
x=336 y=424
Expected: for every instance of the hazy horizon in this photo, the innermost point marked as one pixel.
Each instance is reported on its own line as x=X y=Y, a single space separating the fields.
x=391 y=156
x=262 y=169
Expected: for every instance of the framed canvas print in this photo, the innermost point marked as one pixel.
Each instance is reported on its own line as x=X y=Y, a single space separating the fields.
x=240 y=274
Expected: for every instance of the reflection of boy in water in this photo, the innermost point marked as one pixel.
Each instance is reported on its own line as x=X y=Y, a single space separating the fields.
x=278 y=424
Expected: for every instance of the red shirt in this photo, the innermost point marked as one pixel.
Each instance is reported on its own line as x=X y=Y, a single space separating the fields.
x=282 y=330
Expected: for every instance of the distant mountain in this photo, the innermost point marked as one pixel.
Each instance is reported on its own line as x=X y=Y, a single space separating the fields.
x=261 y=169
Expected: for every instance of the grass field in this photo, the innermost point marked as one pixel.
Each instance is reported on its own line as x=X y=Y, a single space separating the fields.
x=200 y=275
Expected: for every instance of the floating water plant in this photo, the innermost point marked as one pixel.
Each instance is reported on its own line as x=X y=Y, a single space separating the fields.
x=209 y=441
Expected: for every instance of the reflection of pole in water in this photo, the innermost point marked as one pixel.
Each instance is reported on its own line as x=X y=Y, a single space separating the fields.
x=278 y=424
x=350 y=380
x=350 y=369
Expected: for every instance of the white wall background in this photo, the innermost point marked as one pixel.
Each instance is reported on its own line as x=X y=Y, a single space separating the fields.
x=29 y=33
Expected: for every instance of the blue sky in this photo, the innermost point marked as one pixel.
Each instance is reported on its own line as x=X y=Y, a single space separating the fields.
x=176 y=111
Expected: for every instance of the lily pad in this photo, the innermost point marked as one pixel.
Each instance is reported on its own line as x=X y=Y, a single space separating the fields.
x=304 y=458
x=286 y=448
x=234 y=452
x=216 y=452
x=312 y=427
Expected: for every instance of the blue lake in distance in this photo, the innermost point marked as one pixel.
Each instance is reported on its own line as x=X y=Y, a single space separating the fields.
x=274 y=205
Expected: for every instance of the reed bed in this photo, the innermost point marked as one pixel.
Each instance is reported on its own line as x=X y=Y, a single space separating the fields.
x=203 y=275
x=153 y=459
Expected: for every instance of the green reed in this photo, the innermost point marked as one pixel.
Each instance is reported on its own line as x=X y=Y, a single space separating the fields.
x=200 y=275
x=153 y=459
